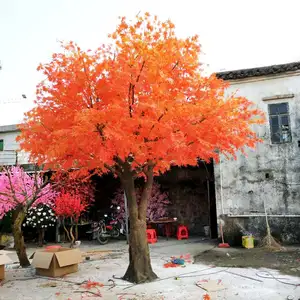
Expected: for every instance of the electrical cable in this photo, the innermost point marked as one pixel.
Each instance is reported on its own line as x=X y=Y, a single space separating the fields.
x=244 y=276
x=271 y=276
x=189 y=276
x=170 y=277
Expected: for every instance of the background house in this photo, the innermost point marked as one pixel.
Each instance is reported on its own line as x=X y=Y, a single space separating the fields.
x=269 y=177
x=10 y=153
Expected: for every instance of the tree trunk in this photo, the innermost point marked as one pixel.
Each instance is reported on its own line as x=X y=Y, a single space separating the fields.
x=19 y=215
x=139 y=269
x=72 y=236
x=76 y=232
x=66 y=231
x=41 y=237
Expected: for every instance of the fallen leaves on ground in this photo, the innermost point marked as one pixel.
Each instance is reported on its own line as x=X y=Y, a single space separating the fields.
x=171 y=265
x=89 y=285
x=92 y=284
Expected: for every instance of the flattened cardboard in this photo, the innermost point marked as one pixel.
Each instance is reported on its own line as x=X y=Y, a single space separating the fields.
x=212 y=286
x=56 y=262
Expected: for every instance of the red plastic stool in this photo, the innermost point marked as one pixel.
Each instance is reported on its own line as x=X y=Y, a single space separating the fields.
x=182 y=232
x=151 y=236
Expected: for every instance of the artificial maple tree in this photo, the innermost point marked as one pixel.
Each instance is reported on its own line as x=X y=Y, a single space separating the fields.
x=69 y=183
x=19 y=192
x=69 y=206
x=135 y=107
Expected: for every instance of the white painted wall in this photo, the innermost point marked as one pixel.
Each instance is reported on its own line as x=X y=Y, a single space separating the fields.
x=241 y=185
x=11 y=147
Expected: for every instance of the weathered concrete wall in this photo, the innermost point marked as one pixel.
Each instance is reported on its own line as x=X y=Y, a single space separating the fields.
x=269 y=174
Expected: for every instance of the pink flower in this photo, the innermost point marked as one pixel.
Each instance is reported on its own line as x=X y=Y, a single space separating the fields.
x=19 y=188
x=157 y=204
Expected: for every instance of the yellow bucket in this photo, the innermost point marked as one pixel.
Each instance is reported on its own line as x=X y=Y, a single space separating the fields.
x=248 y=242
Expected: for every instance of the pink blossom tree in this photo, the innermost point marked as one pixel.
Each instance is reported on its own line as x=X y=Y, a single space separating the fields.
x=157 y=204
x=19 y=192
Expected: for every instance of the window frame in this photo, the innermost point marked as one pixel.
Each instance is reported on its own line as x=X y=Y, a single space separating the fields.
x=279 y=118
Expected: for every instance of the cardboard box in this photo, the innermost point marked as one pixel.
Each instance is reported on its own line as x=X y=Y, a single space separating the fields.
x=4 y=259
x=56 y=262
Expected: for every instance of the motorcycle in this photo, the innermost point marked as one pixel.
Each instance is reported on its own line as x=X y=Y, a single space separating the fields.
x=118 y=223
x=106 y=229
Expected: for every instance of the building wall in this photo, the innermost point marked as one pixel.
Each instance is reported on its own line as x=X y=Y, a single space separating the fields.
x=270 y=174
x=11 y=147
x=187 y=190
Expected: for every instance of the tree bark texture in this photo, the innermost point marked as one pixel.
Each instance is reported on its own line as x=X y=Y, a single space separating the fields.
x=72 y=236
x=19 y=215
x=139 y=269
x=41 y=237
x=76 y=232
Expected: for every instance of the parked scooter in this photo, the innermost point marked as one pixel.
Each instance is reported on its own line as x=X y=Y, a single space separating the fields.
x=106 y=228
x=120 y=224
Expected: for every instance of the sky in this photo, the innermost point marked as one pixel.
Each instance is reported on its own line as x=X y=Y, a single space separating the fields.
x=234 y=34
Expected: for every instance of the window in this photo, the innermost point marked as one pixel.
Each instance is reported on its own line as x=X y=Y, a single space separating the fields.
x=1 y=145
x=280 y=123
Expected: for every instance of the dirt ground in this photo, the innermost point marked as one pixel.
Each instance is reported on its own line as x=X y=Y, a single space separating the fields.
x=287 y=262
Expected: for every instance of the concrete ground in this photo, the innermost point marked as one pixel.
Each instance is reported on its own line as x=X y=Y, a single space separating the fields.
x=169 y=247
x=233 y=283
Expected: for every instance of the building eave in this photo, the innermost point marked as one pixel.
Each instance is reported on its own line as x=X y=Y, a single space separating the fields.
x=9 y=128
x=259 y=72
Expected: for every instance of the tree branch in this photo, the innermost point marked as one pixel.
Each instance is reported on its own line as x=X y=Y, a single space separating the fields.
x=88 y=80
x=38 y=190
x=158 y=120
x=129 y=100
x=131 y=91
x=139 y=169
x=23 y=188
x=11 y=186
x=111 y=169
x=175 y=65
x=5 y=194
x=198 y=122
x=141 y=69
x=100 y=128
